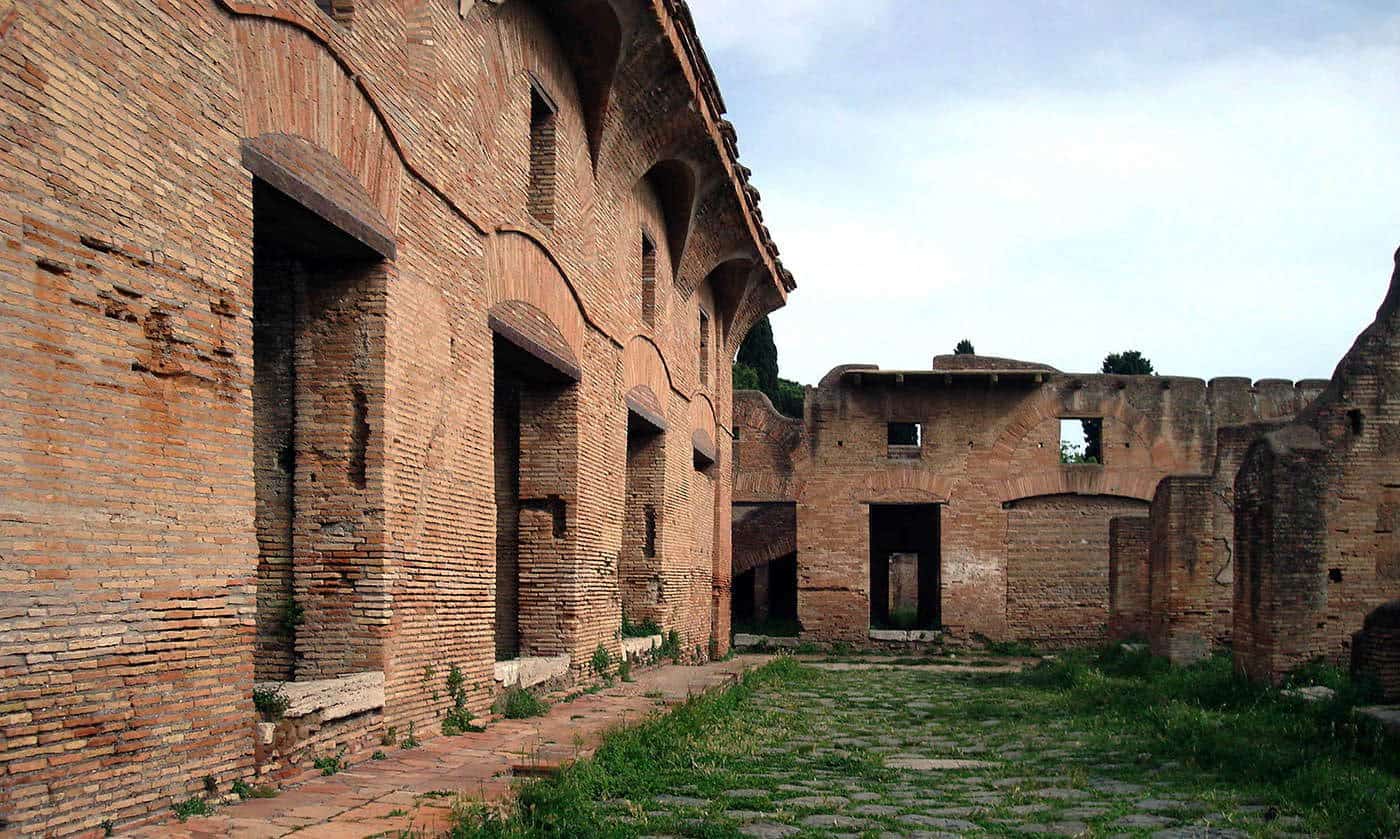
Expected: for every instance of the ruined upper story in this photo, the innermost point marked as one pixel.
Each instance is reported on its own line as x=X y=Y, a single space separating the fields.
x=998 y=421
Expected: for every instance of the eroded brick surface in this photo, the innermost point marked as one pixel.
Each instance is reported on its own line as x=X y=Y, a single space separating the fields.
x=185 y=515
x=1315 y=523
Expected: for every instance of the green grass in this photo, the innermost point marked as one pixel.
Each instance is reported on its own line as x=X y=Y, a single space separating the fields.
x=647 y=759
x=1315 y=757
x=518 y=704
x=644 y=629
x=192 y=806
x=1237 y=749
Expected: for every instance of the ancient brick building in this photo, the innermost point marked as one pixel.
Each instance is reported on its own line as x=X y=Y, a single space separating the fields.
x=938 y=499
x=1317 y=509
x=342 y=344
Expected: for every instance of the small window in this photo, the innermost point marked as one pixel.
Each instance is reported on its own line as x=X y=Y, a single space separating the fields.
x=648 y=282
x=1081 y=440
x=540 y=199
x=340 y=11
x=904 y=439
x=704 y=348
x=1355 y=421
x=649 y=542
x=904 y=433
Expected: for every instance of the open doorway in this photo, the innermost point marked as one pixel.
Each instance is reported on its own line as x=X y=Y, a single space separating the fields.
x=904 y=566
x=765 y=599
x=534 y=431
x=317 y=380
x=640 y=563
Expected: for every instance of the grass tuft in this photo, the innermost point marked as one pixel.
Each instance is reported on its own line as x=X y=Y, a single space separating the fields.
x=518 y=703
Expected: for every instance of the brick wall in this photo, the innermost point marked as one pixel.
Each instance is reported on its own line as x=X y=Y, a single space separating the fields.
x=1024 y=546
x=1056 y=570
x=1315 y=533
x=147 y=541
x=1183 y=567
x=1129 y=541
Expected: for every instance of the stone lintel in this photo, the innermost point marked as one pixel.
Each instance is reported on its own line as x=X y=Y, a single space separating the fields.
x=334 y=698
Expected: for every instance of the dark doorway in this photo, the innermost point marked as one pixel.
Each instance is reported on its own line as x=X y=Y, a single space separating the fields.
x=533 y=421
x=765 y=599
x=639 y=565
x=314 y=376
x=904 y=566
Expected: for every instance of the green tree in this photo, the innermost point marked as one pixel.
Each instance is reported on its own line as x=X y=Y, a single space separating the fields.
x=760 y=353
x=789 y=398
x=756 y=368
x=964 y=347
x=745 y=377
x=1127 y=363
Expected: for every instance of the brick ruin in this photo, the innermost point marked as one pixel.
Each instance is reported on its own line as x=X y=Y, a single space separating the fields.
x=952 y=477
x=1259 y=516
x=345 y=344
x=1317 y=507
x=349 y=343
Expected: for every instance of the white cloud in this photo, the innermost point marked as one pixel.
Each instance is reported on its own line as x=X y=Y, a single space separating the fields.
x=1231 y=217
x=783 y=36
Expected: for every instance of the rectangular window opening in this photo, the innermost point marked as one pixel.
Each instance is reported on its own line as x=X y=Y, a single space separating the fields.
x=704 y=348
x=648 y=282
x=905 y=439
x=1081 y=440
x=540 y=199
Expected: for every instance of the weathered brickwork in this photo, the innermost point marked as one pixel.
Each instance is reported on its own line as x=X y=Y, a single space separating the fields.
x=1024 y=540
x=1129 y=545
x=1375 y=651
x=1056 y=561
x=1182 y=566
x=1193 y=539
x=1315 y=513
x=260 y=264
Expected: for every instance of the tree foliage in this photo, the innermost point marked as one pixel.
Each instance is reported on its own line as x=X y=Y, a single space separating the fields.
x=1127 y=363
x=964 y=347
x=756 y=368
x=760 y=353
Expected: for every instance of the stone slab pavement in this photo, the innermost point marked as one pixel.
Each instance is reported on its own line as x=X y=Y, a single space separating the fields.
x=412 y=789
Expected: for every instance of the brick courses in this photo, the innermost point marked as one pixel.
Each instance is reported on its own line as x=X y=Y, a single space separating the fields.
x=1025 y=539
x=148 y=554
x=1315 y=513
x=1129 y=544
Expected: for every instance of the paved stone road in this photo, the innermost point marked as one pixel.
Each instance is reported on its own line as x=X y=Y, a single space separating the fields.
x=888 y=753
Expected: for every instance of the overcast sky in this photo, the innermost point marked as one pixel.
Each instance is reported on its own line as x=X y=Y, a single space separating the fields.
x=1215 y=184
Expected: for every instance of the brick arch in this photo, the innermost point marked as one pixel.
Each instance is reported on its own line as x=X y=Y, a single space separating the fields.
x=317 y=180
x=644 y=365
x=590 y=35
x=702 y=414
x=330 y=96
x=760 y=299
x=521 y=268
x=1135 y=484
x=763 y=536
x=765 y=486
x=906 y=485
x=731 y=282
x=1050 y=404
